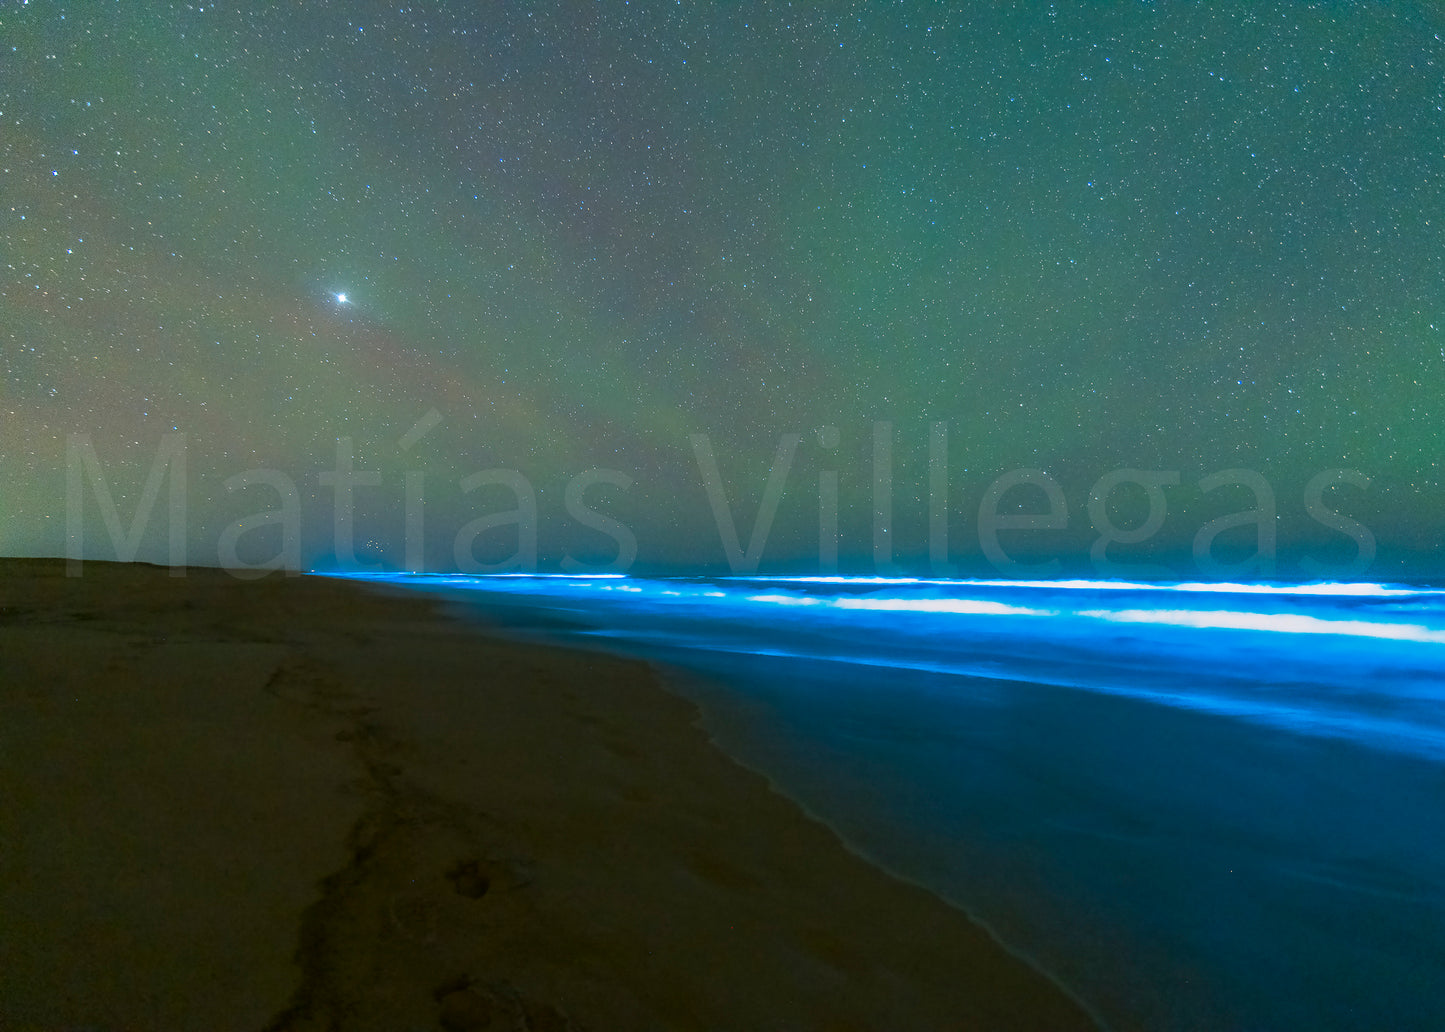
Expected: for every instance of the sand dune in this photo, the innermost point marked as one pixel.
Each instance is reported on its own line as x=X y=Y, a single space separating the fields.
x=293 y=804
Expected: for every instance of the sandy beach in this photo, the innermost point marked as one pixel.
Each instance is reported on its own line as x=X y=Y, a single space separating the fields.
x=296 y=804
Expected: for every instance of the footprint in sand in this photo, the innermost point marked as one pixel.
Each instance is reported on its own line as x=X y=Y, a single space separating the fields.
x=466 y=1005
x=463 y=1009
x=469 y=879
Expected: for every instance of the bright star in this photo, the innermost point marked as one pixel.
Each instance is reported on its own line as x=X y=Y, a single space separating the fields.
x=341 y=299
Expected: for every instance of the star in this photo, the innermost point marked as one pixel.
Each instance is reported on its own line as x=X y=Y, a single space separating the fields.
x=341 y=299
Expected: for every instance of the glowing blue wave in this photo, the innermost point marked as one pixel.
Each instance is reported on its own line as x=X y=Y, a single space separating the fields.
x=1324 y=588
x=1279 y=623
x=1362 y=661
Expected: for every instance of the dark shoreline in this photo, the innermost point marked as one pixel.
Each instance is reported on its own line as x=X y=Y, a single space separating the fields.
x=445 y=826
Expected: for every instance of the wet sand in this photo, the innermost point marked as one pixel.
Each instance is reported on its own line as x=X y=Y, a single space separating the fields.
x=296 y=804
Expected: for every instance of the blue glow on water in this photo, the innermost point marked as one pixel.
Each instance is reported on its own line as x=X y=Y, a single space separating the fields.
x=1051 y=755
x=1360 y=661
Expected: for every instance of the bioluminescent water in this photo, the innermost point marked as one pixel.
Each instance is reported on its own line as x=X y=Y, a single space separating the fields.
x=1362 y=661
x=1195 y=805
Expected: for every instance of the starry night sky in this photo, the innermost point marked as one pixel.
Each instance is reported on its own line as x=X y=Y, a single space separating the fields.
x=1149 y=235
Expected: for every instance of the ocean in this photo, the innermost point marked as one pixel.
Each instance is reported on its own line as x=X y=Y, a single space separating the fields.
x=1195 y=806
